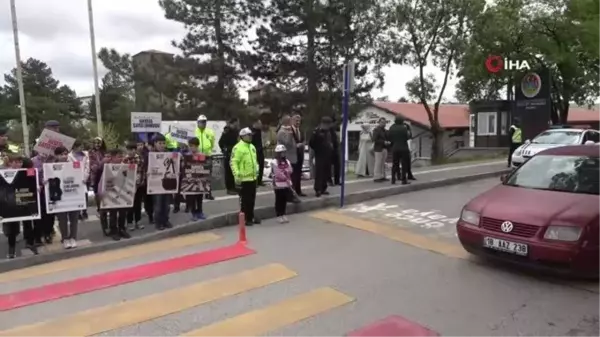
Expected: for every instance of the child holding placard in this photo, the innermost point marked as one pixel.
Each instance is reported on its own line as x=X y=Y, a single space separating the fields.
x=67 y=221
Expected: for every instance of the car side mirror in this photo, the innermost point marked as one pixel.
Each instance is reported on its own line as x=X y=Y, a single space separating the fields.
x=527 y=141
x=503 y=177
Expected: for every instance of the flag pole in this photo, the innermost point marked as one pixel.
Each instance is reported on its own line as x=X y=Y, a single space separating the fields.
x=95 y=68
x=13 y=12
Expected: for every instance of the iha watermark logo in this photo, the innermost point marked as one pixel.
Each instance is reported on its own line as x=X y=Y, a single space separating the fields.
x=495 y=64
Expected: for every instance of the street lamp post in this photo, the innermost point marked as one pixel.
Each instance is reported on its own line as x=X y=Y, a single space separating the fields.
x=95 y=67
x=13 y=12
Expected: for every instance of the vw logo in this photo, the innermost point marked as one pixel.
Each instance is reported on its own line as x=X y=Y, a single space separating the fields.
x=506 y=227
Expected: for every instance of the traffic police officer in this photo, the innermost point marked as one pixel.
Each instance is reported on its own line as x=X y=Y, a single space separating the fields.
x=516 y=139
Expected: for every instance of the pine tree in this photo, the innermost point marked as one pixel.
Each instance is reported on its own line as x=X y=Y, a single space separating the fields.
x=217 y=30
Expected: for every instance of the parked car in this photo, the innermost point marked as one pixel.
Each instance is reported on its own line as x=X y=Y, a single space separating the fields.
x=553 y=138
x=544 y=214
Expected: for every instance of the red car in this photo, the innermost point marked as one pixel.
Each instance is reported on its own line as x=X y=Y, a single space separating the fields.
x=544 y=214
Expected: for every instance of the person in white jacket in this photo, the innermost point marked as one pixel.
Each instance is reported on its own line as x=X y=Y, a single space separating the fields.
x=78 y=154
x=281 y=169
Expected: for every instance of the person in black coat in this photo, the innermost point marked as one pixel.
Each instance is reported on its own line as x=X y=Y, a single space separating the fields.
x=260 y=152
x=322 y=145
x=297 y=167
x=228 y=139
x=334 y=178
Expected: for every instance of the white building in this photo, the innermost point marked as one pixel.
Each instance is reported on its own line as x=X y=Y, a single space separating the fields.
x=453 y=118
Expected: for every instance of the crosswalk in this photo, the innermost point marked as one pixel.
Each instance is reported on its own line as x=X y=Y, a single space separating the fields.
x=161 y=302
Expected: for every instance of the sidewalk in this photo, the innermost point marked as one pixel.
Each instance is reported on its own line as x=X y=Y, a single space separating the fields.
x=90 y=233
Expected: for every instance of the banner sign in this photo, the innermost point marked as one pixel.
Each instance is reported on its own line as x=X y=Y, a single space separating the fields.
x=64 y=188
x=49 y=140
x=196 y=174
x=117 y=185
x=163 y=172
x=146 y=121
x=19 y=197
x=181 y=133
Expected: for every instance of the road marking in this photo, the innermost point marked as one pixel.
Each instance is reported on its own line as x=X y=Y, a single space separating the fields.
x=109 y=256
x=396 y=234
x=393 y=326
x=276 y=316
x=115 y=316
x=82 y=285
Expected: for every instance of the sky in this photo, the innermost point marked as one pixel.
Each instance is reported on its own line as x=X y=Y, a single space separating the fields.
x=57 y=32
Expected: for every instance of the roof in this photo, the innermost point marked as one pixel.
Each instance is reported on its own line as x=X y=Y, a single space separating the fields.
x=450 y=115
x=457 y=115
x=153 y=51
x=574 y=150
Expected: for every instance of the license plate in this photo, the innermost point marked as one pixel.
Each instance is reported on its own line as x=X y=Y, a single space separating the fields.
x=505 y=246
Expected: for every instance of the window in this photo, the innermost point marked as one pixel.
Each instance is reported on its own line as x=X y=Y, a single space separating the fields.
x=591 y=135
x=503 y=122
x=563 y=137
x=573 y=174
x=486 y=124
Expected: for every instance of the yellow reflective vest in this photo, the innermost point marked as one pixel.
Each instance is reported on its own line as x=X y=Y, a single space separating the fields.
x=243 y=162
x=206 y=138
x=517 y=136
x=170 y=143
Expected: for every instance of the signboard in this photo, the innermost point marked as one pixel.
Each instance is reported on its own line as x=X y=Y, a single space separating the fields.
x=181 y=133
x=64 y=188
x=163 y=172
x=196 y=174
x=216 y=126
x=117 y=186
x=49 y=140
x=19 y=197
x=146 y=121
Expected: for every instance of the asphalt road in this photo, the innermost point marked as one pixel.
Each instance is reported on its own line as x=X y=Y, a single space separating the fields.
x=335 y=271
x=90 y=230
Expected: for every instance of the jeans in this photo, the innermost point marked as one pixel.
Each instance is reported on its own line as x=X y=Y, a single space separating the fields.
x=194 y=202
x=67 y=224
x=162 y=203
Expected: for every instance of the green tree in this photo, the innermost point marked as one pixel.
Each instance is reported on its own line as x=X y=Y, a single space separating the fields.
x=216 y=32
x=45 y=99
x=429 y=32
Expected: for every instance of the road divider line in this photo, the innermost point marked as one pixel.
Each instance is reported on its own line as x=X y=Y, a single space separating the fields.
x=115 y=316
x=395 y=234
x=119 y=277
x=109 y=256
x=292 y=310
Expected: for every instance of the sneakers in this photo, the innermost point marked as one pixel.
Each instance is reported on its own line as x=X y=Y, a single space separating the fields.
x=198 y=216
x=285 y=219
x=32 y=248
x=67 y=244
x=124 y=234
x=139 y=226
x=12 y=253
x=130 y=227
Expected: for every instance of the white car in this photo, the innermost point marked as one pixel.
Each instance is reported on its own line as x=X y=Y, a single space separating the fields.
x=553 y=138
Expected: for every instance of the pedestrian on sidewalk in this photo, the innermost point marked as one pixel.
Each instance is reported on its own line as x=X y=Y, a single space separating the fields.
x=244 y=166
x=398 y=136
x=300 y=148
x=46 y=221
x=162 y=202
x=77 y=154
x=380 y=144
x=260 y=152
x=67 y=221
x=322 y=145
x=134 y=214
x=12 y=229
x=228 y=140
x=116 y=217
x=98 y=156
x=194 y=201
x=144 y=149
x=281 y=170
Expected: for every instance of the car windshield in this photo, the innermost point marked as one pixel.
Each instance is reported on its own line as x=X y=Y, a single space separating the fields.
x=572 y=174
x=557 y=137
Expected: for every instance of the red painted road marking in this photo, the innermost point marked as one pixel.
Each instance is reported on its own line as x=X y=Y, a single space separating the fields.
x=118 y=277
x=393 y=326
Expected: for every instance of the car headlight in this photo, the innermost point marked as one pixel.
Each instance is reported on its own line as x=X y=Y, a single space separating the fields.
x=469 y=217
x=562 y=233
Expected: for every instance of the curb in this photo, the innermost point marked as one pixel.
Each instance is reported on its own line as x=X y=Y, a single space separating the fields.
x=231 y=219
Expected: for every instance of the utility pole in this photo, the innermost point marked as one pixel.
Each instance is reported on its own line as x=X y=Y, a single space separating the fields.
x=95 y=67
x=13 y=12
